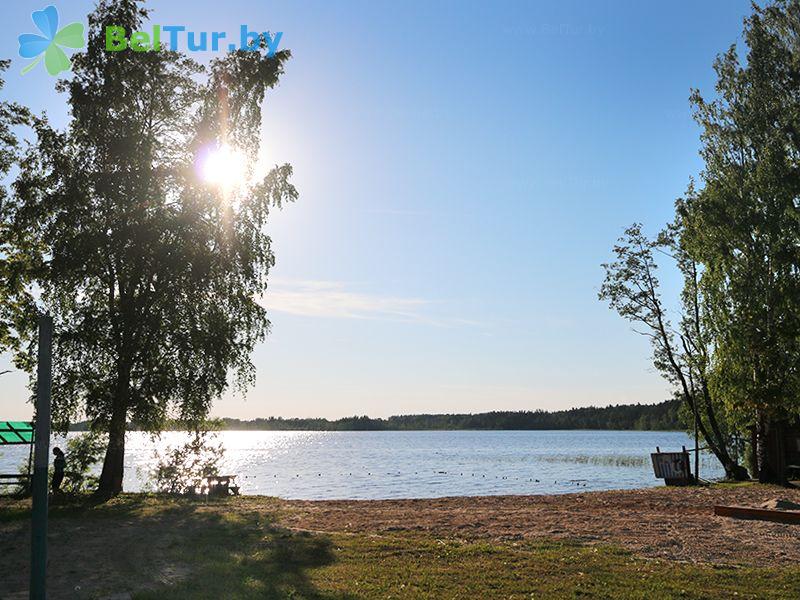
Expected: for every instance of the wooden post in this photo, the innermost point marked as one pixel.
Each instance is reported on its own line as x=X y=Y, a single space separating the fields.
x=41 y=459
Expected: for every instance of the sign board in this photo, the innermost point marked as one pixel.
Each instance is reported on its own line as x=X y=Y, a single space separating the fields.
x=16 y=432
x=672 y=467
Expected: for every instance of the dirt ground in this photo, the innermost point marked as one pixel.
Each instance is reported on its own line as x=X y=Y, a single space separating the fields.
x=670 y=523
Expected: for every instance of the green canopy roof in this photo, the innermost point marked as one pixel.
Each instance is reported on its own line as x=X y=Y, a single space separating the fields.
x=16 y=432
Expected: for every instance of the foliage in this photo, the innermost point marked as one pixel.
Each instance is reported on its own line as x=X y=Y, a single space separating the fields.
x=743 y=225
x=682 y=354
x=17 y=313
x=153 y=276
x=735 y=355
x=84 y=452
x=181 y=469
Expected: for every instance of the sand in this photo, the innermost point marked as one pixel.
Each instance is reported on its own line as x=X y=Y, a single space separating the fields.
x=669 y=523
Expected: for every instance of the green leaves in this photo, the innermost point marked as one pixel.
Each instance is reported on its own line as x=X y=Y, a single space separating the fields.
x=743 y=224
x=736 y=240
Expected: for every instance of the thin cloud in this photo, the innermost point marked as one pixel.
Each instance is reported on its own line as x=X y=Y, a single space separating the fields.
x=401 y=212
x=333 y=300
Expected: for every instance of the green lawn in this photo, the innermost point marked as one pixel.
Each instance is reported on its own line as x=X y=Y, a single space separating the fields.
x=162 y=548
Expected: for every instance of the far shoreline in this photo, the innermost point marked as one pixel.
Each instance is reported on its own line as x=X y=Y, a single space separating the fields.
x=661 y=416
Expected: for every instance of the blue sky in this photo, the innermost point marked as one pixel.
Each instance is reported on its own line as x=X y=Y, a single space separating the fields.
x=464 y=168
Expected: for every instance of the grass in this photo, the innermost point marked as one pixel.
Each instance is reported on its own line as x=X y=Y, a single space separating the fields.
x=160 y=547
x=420 y=567
x=613 y=460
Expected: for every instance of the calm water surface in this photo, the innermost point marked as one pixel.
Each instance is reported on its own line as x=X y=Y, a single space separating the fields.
x=419 y=464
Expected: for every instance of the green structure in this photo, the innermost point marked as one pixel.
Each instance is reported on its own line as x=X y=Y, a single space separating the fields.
x=17 y=433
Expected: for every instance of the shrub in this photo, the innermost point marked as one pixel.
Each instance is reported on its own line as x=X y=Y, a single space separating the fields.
x=84 y=451
x=182 y=469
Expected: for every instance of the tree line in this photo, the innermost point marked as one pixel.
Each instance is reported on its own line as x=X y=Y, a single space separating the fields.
x=640 y=417
x=732 y=349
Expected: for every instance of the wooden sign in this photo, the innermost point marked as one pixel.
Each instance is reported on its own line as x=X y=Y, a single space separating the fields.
x=672 y=467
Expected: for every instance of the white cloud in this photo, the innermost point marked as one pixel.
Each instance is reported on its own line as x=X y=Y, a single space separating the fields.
x=332 y=299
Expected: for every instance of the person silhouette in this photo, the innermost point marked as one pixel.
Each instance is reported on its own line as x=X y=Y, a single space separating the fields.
x=59 y=463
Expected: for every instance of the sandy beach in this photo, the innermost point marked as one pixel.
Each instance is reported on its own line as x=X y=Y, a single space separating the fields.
x=670 y=523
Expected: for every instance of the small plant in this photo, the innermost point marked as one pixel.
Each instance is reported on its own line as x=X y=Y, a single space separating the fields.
x=182 y=469
x=84 y=452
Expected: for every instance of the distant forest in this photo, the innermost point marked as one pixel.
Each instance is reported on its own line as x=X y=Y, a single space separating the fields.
x=660 y=417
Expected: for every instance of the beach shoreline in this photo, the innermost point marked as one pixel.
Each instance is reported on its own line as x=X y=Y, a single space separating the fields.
x=674 y=523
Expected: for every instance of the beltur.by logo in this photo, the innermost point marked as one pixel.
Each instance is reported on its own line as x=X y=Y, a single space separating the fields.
x=48 y=44
x=176 y=36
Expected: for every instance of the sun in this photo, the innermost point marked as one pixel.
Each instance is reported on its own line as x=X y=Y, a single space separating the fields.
x=225 y=167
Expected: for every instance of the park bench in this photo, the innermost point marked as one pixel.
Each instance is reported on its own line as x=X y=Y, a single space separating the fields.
x=221 y=485
x=20 y=479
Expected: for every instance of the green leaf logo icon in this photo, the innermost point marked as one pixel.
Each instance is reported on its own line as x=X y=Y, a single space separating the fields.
x=49 y=43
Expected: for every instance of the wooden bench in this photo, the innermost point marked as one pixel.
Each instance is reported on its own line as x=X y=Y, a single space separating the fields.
x=20 y=479
x=221 y=485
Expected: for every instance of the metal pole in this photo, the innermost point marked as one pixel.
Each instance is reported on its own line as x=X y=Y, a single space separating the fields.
x=41 y=459
x=696 y=445
x=30 y=463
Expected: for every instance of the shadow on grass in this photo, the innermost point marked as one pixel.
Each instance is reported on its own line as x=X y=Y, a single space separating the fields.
x=243 y=555
x=14 y=507
x=167 y=547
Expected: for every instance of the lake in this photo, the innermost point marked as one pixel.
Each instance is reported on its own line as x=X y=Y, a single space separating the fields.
x=419 y=464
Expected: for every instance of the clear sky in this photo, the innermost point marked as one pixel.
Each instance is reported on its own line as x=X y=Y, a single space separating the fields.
x=464 y=168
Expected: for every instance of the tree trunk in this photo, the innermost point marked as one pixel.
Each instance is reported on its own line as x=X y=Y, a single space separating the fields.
x=114 y=462
x=716 y=442
x=752 y=452
x=735 y=471
x=767 y=459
